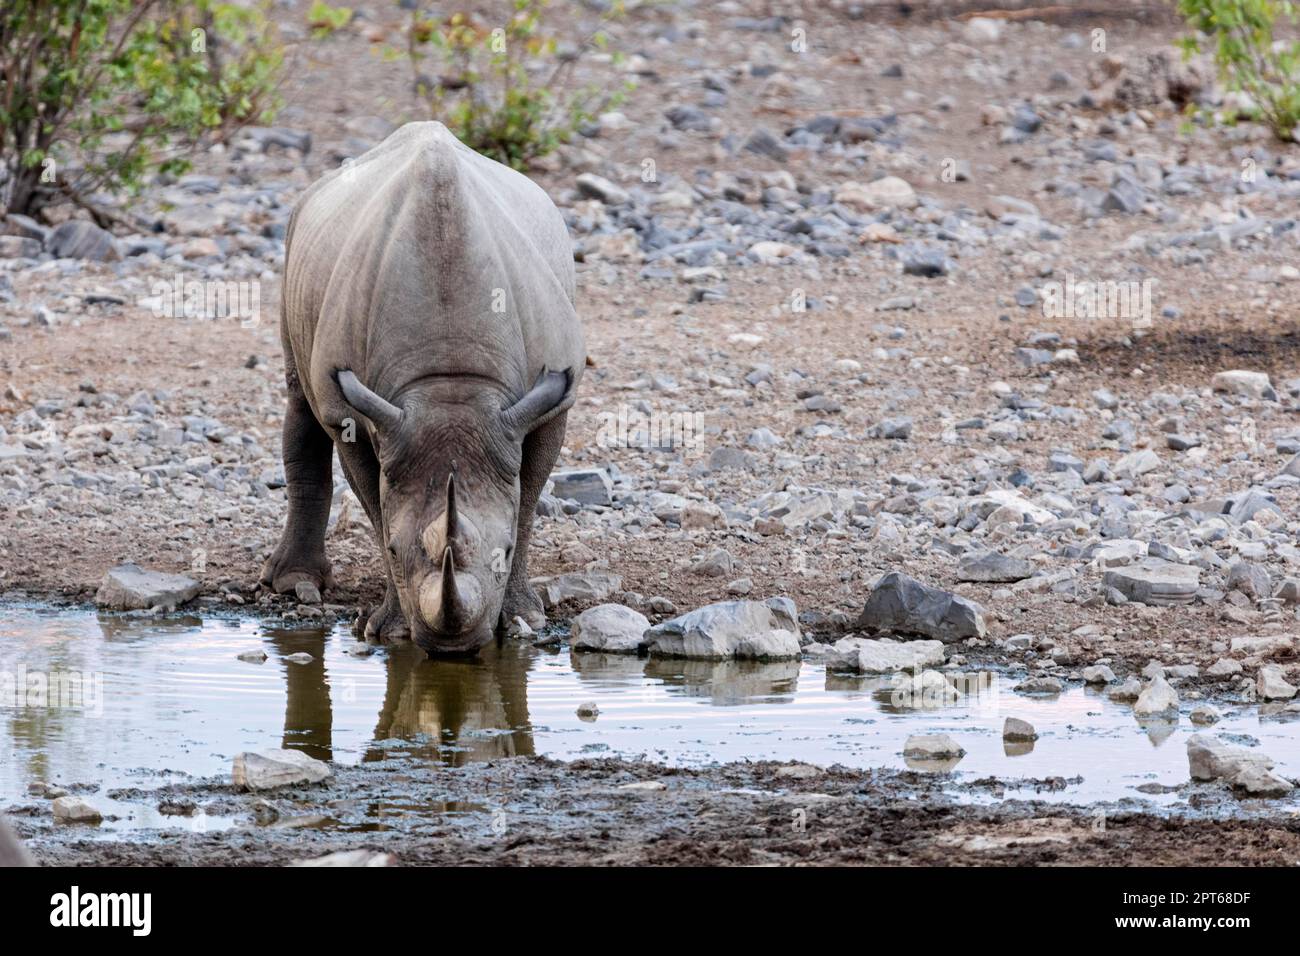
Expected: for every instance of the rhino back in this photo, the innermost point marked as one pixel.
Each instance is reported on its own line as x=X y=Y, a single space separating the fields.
x=424 y=258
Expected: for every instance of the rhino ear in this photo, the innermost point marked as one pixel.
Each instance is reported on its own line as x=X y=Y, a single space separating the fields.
x=385 y=415
x=551 y=394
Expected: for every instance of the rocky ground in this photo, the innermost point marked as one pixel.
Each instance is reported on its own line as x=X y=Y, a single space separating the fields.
x=531 y=811
x=840 y=268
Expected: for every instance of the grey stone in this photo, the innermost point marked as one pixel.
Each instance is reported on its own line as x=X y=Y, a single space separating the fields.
x=19 y=247
x=1156 y=582
x=925 y=261
x=903 y=605
x=1018 y=731
x=1212 y=759
x=1256 y=781
x=611 y=628
x=72 y=809
x=1271 y=683
x=1098 y=674
x=128 y=587
x=866 y=656
x=362 y=858
x=79 y=239
x=932 y=747
x=597 y=187
x=586 y=586
x=1040 y=686
x=1158 y=699
x=587 y=486
x=730 y=629
x=991 y=567
x=1128 y=691
x=267 y=769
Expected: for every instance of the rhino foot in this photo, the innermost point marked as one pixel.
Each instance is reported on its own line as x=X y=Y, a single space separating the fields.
x=525 y=604
x=387 y=622
x=285 y=569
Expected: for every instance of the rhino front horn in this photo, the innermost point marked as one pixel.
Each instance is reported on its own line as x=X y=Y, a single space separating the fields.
x=455 y=604
x=382 y=413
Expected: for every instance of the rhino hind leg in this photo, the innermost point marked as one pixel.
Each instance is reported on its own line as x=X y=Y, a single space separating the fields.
x=308 y=453
x=388 y=621
x=541 y=449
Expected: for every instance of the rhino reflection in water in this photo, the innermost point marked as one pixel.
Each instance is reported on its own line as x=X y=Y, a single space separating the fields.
x=479 y=706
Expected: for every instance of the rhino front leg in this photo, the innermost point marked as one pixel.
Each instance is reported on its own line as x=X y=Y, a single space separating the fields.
x=388 y=621
x=308 y=452
x=541 y=449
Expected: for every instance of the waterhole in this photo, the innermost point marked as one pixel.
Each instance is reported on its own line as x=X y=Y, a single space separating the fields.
x=161 y=698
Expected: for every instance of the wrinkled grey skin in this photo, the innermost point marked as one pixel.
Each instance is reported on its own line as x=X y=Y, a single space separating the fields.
x=430 y=337
x=11 y=851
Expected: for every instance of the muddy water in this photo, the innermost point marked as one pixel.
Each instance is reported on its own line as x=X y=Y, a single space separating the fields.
x=159 y=699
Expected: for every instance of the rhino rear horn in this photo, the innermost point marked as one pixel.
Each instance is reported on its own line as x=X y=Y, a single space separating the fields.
x=551 y=394
x=383 y=414
x=450 y=520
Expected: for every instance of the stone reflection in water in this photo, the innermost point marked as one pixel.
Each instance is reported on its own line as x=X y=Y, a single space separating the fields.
x=1158 y=729
x=593 y=667
x=129 y=627
x=471 y=709
x=727 y=683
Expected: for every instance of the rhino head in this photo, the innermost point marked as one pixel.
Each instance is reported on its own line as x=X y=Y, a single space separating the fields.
x=449 y=490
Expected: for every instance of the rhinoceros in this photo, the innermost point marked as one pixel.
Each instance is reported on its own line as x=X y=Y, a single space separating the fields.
x=430 y=336
x=11 y=850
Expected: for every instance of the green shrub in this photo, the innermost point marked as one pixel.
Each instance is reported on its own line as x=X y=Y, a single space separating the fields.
x=1249 y=58
x=485 y=91
x=99 y=94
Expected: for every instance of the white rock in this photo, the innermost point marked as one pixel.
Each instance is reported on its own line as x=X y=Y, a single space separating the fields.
x=742 y=629
x=1156 y=582
x=1131 y=689
x=1137 y=463
x=889 y=192
x=1018 y=731
x=926 y=690
x=128 y=587
x=1025 y=510
x=1157 y=699
x=867 y=656
x=350 y=858
x=1098 y=674
x=1242 y=382
x=75 y=810
x=1212 y=759
x=769 y=251
x=1271 y=683
x=266 y=769
x=1255 y=781
x=611 y=628
x=1224 y=667
x=982 y=30
x=932 y=747
x=1267 y=646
